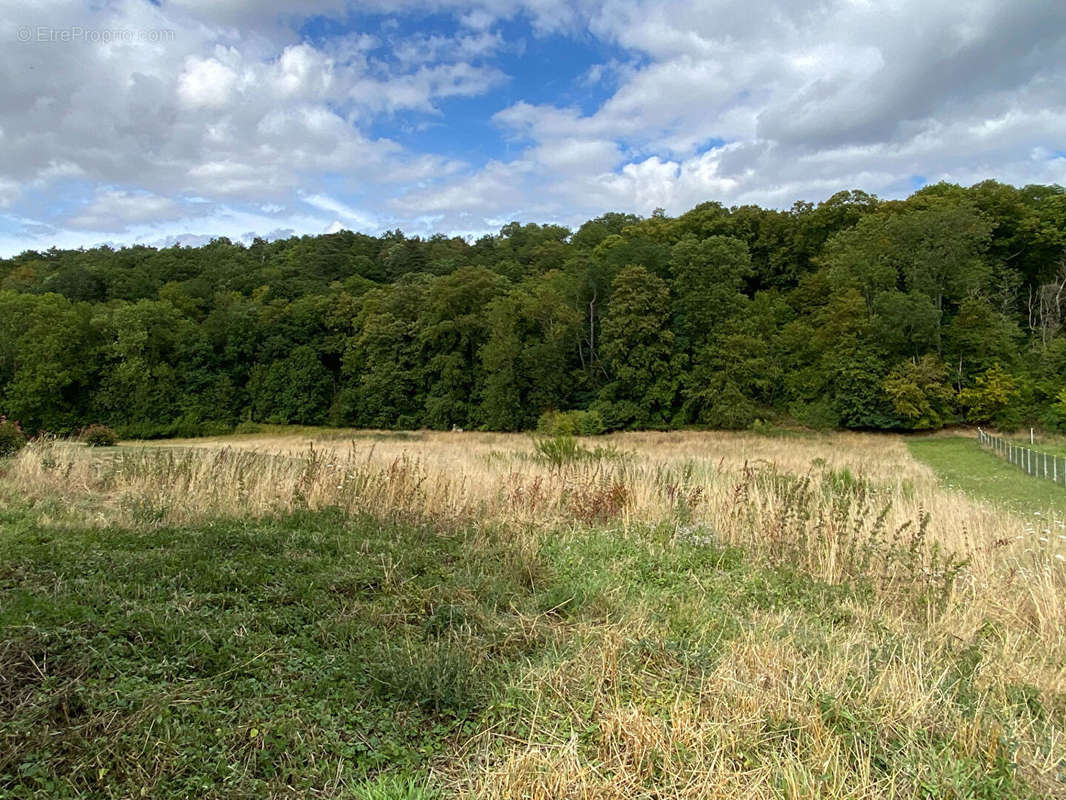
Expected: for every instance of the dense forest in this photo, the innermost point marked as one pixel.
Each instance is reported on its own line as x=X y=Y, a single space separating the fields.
x=856 y=312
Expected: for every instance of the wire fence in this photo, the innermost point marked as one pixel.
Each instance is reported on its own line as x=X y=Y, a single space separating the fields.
x=1039 y=465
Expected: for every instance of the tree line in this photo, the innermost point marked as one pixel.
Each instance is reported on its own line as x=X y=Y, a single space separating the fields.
x=857 y=312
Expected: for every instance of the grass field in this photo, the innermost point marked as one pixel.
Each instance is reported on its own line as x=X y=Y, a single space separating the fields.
x=1043 y=441
x=960 y=464
x=1053 y=446
x=370 y=615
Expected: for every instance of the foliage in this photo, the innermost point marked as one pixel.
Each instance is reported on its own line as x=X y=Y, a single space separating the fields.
x=560 y=450
x=712 y=318
x=920 y=393
x=990 y=397
x=570 y=423
x=1057 y=412
x=637 y=349
x=99 y=436
x=182 y=428
x=12 y=439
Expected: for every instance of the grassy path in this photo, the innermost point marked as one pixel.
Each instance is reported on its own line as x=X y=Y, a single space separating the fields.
x=960 y=464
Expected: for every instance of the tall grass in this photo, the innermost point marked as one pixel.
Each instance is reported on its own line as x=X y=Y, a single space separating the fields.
x=895 y=635
x=904 y=534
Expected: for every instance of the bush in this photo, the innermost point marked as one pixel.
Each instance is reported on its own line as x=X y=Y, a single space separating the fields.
x=761 y=427
x=179 y=429
x=817 y=414
x=99 y=436
x=561 y=450
x=731 y=410
x=558 y=450
x=12 y=439
x=571 y=423
x=990 y=398
x=1057 y=415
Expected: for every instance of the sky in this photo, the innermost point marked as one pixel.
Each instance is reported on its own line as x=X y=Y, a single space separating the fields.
x=164 y=121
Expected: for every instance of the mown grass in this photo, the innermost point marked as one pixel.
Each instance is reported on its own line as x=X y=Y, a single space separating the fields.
x=1051 y=444
x=242 y=658
x=317 y=654
x=962 y=465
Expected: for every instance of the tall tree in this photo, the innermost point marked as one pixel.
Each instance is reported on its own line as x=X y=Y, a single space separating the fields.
x=637 y=349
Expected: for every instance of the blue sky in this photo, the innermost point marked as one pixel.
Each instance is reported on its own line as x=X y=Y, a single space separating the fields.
x=128 y=121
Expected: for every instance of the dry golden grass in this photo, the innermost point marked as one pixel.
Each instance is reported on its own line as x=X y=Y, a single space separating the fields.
x=481 y=476
x=836 y=507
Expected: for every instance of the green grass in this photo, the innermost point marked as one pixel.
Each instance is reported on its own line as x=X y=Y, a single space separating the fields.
x=1045 y=443
x=220 y=660
x=327 y=656
x=961 y=464
x=239 y=658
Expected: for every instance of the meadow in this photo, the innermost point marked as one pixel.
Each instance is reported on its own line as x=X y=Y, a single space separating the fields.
x=360 y=614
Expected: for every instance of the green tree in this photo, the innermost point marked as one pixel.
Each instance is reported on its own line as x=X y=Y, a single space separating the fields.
x=991 y=396
x=529 y=358
x=637 y=349
x=297 y=389
x=453 y=327
x=921 y=392
x=382 y=367
x=48 y=360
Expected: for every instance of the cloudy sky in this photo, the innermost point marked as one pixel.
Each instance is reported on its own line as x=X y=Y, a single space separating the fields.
x=138 y=121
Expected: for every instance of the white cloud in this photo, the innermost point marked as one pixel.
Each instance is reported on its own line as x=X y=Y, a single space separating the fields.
x=9 y=192
x=206 y=83
x=736 y=100
x=808 y=98
x=351 y=216
x=112 y=210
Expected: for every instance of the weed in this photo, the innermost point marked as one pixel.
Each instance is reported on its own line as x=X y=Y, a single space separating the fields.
x=563 y=450
x=844 y=538
x=392 y=787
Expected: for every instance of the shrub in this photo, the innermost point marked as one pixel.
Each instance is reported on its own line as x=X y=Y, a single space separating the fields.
x=99 y=436
x=571 y=423
x=730 y=411
x=561 y=450
x=179 y=429
x=990 y=398
x=761 y=427
x=921 y=392
x=12 y=439
x=1057 y=417
x=558 y=450
x=817 y=414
